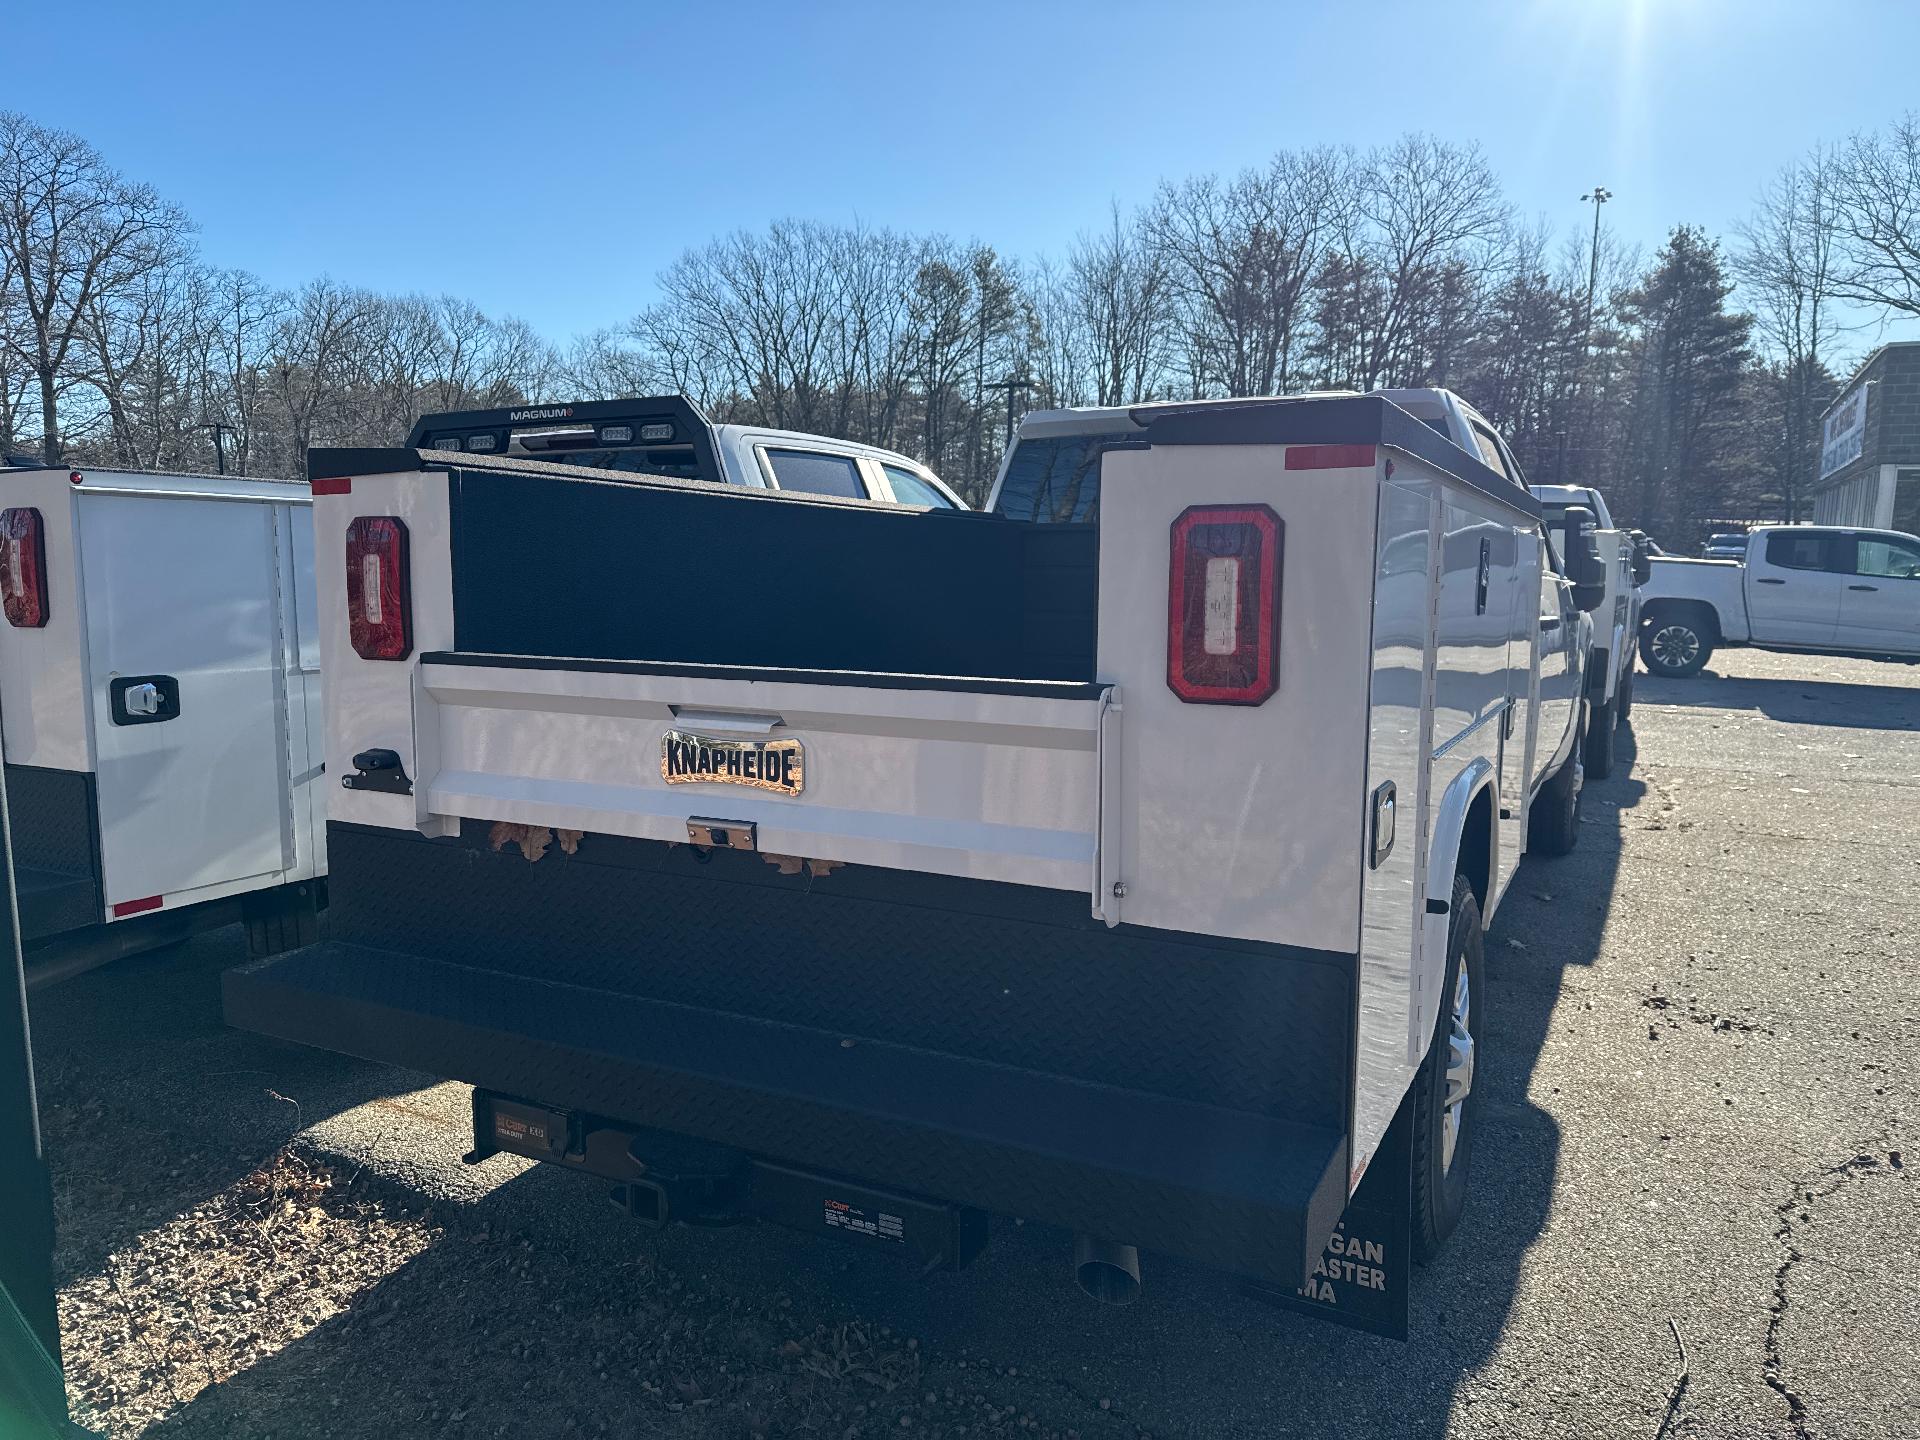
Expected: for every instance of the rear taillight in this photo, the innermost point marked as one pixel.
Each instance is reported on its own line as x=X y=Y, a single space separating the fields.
x=1223 y=605
x=23 y=567
x=378 y=608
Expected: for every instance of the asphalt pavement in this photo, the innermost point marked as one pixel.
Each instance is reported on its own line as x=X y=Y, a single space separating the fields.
x=1693 y=1210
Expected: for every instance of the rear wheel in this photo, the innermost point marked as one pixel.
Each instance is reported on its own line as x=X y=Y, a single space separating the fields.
x=1553 y=826
x=1599 y=753
x=1445 y=1103
x=1675 y=646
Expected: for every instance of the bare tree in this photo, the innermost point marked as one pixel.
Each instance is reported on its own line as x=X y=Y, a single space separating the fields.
x=77 y=231
x=1789 y=267
x=1425 y=216
x=1239 y=256
x=1119 y=284
x=1875 y=183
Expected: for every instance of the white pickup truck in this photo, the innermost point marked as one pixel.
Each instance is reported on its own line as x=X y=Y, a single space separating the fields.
x=1831 y=590
x=874 y=870
x=1625 y=557
x=670 y=435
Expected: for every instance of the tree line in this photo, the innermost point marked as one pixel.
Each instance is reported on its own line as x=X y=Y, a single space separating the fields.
x=1688 y=384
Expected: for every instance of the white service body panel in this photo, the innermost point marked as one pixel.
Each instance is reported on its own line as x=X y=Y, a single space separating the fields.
x=206 y=584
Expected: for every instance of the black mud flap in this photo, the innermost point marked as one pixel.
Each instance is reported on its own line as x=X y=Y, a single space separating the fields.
x=1361 y=1278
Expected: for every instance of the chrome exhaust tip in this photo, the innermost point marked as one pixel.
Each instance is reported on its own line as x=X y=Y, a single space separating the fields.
x=1108 y=1272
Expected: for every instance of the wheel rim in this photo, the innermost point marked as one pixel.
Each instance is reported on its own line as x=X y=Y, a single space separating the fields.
x=1459 y=1067
x=1675 y=646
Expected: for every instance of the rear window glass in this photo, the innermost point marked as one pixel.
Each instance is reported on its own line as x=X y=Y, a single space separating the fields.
x=816 y=473
x=677 y=461
x=1788 y=550
x=1055 y=478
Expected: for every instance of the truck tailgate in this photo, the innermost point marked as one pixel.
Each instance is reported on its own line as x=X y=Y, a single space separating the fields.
x=993 y=780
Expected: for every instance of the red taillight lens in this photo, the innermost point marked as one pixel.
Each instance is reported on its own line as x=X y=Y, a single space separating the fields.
x=1223 y=605
x=378 y=607
x=23 y=567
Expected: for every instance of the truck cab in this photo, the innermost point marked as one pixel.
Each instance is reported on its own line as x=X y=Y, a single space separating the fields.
x=1616 y=621
x=1824 y=589
x=670 y=435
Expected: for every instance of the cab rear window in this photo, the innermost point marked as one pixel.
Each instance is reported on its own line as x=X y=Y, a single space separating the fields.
x=1055 y=478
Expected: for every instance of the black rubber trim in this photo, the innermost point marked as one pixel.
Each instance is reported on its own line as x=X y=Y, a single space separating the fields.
x=1327 y=420
x=1227 y=1188
x=1040 y=689
x=54 y=818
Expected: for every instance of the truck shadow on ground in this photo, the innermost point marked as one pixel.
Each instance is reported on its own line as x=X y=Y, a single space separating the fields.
x=150 y=1105
x=1791 y=702
x=537 y=1310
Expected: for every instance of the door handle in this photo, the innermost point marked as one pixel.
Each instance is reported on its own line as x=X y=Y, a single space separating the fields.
x=143 y=699
x=1863 y=587
x=1549 y=622
x=1768 y=580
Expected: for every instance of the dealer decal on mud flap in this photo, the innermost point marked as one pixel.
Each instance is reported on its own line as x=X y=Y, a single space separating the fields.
x=1360 y=1279
x=690 y=759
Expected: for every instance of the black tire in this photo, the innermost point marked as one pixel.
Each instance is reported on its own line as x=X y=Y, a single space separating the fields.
x=1623 y=702
x=1675 y=645
x=1599 y=755
x=1553 y=827
x=1440 y=1180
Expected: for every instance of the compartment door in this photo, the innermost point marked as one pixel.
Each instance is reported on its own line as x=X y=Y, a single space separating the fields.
x=183 y=638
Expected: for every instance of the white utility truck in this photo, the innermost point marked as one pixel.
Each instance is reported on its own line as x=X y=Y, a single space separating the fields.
x=670 y=435
x=160 y=688
x=1829 y=590
x=1616 y=622
x=874 y=870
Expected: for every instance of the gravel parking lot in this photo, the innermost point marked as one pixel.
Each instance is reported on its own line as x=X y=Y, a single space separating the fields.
x=1701 y=1068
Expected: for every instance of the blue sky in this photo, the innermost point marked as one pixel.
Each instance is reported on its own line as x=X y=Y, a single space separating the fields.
x=549 y=160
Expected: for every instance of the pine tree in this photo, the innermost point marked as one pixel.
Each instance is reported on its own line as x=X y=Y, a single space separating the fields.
x=1685 y=362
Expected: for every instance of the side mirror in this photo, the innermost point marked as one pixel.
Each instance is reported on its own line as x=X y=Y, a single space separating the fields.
x=1642 y=558
x=1585 y=568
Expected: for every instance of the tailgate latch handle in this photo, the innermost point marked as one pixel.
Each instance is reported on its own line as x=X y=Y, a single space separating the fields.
x=378 y=770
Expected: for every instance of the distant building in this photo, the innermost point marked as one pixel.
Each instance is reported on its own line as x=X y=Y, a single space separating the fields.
x=1869 y=470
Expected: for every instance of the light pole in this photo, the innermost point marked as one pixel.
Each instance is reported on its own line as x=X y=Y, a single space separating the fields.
x=1013 y=384
x=1595 y=197
x=220 y=429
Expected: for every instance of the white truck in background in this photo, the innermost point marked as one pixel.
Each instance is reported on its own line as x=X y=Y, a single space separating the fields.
x=1822 y=589
x=160 y=694
x=670 y=435
x=1132 y=879
x=1616 y=622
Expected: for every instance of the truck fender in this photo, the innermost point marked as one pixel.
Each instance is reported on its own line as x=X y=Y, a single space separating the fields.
x=1469 y=804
